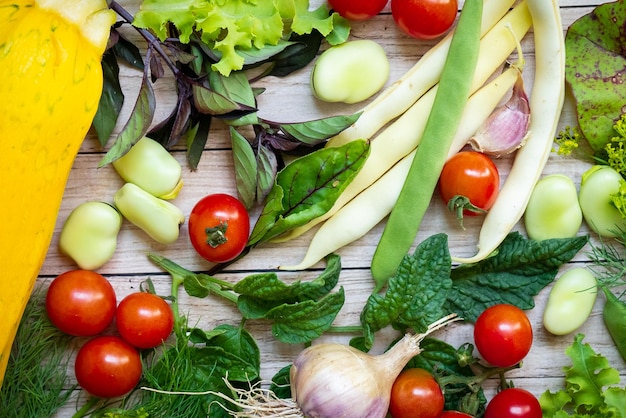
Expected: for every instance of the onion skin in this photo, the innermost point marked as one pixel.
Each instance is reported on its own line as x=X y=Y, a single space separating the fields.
x=339 y=381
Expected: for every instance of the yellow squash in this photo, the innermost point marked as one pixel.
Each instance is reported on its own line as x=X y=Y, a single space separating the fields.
x=50 y=85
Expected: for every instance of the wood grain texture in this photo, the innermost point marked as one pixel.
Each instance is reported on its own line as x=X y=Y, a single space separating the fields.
x=290 y=99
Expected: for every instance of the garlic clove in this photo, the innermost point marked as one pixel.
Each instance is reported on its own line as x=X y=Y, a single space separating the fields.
x=506 y=129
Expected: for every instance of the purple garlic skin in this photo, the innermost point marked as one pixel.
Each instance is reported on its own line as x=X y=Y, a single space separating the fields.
x=506 y=129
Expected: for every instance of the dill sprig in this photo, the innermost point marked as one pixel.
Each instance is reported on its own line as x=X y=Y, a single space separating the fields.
x=36 y=383
x=609 y=262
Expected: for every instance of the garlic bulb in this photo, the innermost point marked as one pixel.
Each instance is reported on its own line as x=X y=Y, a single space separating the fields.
x=506 y=128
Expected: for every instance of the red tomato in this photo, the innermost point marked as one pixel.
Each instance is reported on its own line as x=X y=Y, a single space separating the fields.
x=358 y=9
x=424 y=19
x=503 y=335
x=219 y=226
x=513 y=403
x=416 y=394
x=455 y=414
x=107 y=367
x=81 y=302
x=144 y=320
x=471 y=175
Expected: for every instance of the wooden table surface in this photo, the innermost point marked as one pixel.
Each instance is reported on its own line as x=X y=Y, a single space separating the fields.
x=289 y=99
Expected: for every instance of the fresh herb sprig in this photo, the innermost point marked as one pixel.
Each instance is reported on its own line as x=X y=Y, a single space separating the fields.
x=36 y=383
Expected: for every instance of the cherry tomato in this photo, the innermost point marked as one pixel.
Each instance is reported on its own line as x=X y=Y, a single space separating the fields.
x=81 y=302
x=107 y=367
x=473 y=176
x=513 y=403
x=358 y=9
x=424 y=19
x=416 y=394
x=455 y=414
x=144 y=320
x=503 y=335
x=219 y=226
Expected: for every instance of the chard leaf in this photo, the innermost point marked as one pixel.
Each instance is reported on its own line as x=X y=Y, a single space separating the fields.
x=316 y=131
x=595 y=70
x=517 y=273
x=415 y=294
x=111 y=100
x=308 y=188
x=305 y=321
x=137 y=124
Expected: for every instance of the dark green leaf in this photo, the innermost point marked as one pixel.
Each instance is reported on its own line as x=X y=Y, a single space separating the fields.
x=298 y=55
x=440 y=358
x=237 y=342
x=246 y=168
x=281 y=383
x=415 y=294
x=595 y=64
x=308 y=188
x=267 y=167
x=236 y=88
x=305 y=321
x=126 y=50
x=196 y=139
x=209 y=102
x=136 y=126
x=319 y=130
x=111 y=100
x=268 y=287
x=254 y=56
x=517 y=273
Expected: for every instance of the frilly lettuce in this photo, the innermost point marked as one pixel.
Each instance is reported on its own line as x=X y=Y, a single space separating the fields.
x=231 y=26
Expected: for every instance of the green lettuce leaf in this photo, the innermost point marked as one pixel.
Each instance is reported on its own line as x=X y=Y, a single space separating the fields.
x=229 y=27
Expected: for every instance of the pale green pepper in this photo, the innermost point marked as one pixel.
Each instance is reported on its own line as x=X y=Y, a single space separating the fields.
x=158 y=218
x=89 y=235
x=151 y=167
x=599 y=186
x=553 y=210
x=350 y=72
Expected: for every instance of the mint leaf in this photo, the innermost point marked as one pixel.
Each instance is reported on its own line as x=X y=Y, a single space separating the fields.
x=595 y=59
x=517 y=273
x=305 y=321
x=307 y=188
x=415 y=294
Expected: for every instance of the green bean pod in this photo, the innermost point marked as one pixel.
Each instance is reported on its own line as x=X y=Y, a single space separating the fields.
x=158 y=218
x=614 y=315
x=452 y=95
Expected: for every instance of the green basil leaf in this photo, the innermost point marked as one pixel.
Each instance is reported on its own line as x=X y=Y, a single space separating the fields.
x=299 y=54
x=515 y=275
x=137 y=124
x=246 y=168
x=267 y=167
x=128 y=51
x=196 y=138
x=236 y=88
x=281 y=383
x=415 y=294
x=308 y=188
x=305 y=321
x=111 y=100
x=317 y=131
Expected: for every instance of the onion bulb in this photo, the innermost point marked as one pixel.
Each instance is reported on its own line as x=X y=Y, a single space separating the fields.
x=337 y=381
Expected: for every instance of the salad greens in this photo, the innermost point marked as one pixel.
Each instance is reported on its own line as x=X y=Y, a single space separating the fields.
x=590 y=387
x=207 y=46
x=425 y=286
x=228 y=27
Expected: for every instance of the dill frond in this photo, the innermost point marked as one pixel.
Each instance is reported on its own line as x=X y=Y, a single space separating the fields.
x=36 y=383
